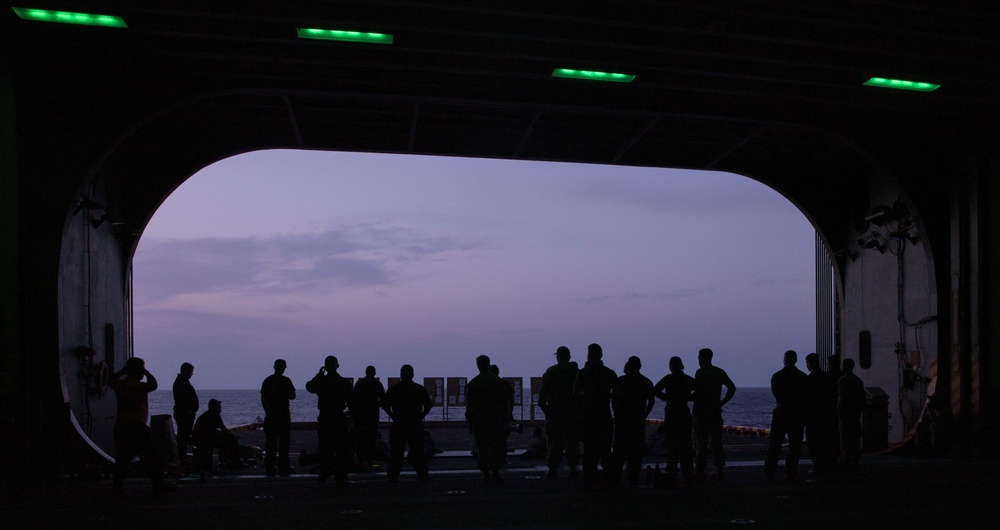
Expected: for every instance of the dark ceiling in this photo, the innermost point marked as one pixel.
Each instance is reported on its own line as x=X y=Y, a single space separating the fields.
x=769 y=89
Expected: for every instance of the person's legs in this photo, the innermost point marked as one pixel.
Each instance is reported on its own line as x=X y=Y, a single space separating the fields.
x=795 y=429
x=701 y=436
x=284 y=446
x=397 y=444
x=342 y=448
x=777 y=436
x=556 y=445
x=270 y=447
x=418 y=451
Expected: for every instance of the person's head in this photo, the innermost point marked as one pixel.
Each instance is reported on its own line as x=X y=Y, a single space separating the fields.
x=705 y=357
x=135 y=367
x=483 y=363
x=214 y=405
x=331 y=363
x=406 y=372
x=279 y=366
x=632 y=365
x=676 y=365
x=812 y=361
x=494 y=369
x=370 y=371
x=594 y=352
x=848 y=365
x=187 y=370
x=791 y=358
x=562 y=354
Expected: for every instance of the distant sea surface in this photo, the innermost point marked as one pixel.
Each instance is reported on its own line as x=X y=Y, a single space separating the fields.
x=750 y=407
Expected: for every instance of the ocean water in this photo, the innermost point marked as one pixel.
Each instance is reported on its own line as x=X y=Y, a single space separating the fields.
x=750 y=407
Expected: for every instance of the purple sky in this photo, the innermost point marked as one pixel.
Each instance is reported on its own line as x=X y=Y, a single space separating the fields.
x=389 y=259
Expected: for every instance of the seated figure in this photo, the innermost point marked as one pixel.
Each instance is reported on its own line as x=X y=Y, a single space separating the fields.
x=209 y=433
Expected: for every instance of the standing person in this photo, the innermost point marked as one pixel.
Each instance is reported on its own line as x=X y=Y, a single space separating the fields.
x=677 y=389
x=851 y=401
x=185 y=408
x=407 y=403
x=709 y=380
x=495 y=370
x=790 y=389
x=821 y=417
x=555 y=398
x=333 y=393
x=593 y=395
x=368 y=397
x=632 y=398
x=275 y=393
x=131 y=433
x=487 y=410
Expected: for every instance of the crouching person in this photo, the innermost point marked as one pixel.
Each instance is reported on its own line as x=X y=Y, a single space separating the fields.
x=210 y=433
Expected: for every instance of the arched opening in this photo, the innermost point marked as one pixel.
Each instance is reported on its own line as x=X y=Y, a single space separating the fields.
x=393 y=259
x=834 y=191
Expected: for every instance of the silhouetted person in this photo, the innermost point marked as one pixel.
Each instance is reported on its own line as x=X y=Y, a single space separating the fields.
x=407 y=403
x=275 y=393
x=677 y=389
x=185 y=408
x=368 y=396
x=821 y=417
x=709 y=381
x=209 y=433
x=537 y=445
x=833 y=365
x=632 y=398
x=131 y=433
x=790 y=387
x=851 y=401
x=593 y=395
x=556 y=400
x=488 y=411
x=333 y=393
x=495 y=370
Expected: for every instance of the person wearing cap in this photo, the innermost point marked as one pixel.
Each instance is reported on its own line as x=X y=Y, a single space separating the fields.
x=333 y=394
x=185 y=408
x=275 y=393
x=632 y=399
x=209 y=433
x=131 y=433
x=555 y=398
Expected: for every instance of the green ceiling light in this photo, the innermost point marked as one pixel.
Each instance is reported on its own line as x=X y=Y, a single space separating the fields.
x=347 y=36
x=901 y=84
x=66 y=17
x=593 y=76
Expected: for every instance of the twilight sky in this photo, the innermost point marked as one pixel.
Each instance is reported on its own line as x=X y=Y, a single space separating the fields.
x=430 y=261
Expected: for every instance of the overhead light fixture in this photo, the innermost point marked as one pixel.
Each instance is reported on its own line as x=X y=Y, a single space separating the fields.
x=901 y=84
x=67 y=17
x=347 y=36
x=592 y=75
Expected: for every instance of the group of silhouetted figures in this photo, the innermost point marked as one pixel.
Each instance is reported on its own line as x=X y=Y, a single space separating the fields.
x=589 y=409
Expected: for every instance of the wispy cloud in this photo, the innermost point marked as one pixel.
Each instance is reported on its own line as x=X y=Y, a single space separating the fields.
x=768 y=282
x=672 y=295
x=354 y=256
